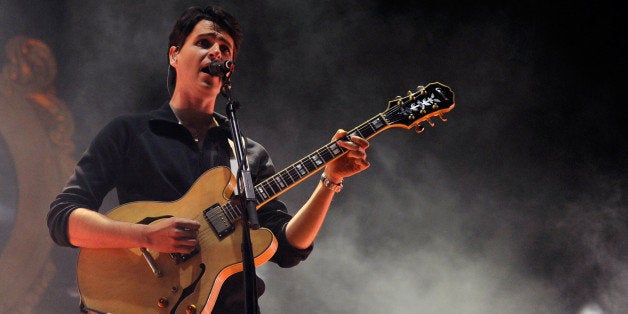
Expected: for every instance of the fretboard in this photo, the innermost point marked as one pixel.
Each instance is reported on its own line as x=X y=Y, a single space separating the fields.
x=308 y=165
x=433 y=100
x=298 y=171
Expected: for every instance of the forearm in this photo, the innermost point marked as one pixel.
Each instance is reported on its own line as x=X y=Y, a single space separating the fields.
x=307 y=222
x=90 y=229
x=303 y=228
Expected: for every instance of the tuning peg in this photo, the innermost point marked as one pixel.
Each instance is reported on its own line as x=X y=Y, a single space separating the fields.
x=398 y=99
x=442 y=117
x=420 y=88
x=419 y=128
x=410 y=95
x=429 y=121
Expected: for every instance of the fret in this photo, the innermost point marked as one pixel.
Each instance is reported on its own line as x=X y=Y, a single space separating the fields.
x=290 y=171
x=301 y=170
x=262 y=192
x=293 y=173
x=368 y=130
x=316 y=161
x=308 y=164
x=356 y=132
x=335 y=149
x=377 y=124
x=265 y=190
x=269 y=187
x=274 y=185
x=364 y=131
x=286 y=177
x=373 y=125
x=281 y=184
x=325 y=154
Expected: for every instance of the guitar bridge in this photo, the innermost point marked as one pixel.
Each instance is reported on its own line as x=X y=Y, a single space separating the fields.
x=219 y=221
x=180 y=257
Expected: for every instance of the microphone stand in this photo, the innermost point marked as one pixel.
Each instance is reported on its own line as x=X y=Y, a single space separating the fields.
x=246 y=196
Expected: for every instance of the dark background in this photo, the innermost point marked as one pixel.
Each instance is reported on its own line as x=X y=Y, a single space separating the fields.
x=516 y=205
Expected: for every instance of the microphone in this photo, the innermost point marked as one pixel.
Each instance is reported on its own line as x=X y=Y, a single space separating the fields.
x=219 y=67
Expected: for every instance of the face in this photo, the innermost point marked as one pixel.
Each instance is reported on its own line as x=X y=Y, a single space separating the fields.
x=205 y=43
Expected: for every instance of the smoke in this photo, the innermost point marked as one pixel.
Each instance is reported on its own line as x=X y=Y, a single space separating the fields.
x=516 y=205
x=113 y=58
x=422 y=247
x=499 y=210
x=8 y=193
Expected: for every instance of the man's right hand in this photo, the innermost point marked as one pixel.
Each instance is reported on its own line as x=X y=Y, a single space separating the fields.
x=173 y=235
x=90 y=229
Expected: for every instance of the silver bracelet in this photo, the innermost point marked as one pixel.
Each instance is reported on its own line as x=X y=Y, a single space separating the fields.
x=336 y=187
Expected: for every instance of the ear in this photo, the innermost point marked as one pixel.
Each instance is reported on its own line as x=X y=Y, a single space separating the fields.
x=173 y=52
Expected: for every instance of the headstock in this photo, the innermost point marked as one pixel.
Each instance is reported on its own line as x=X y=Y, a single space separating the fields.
x=409 y=111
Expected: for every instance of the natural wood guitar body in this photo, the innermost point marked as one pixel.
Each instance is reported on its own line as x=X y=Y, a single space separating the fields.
x=121 y=281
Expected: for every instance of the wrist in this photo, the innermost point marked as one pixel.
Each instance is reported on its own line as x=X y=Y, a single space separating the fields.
x=333 y=185
x=143 y=235
x=332 y=177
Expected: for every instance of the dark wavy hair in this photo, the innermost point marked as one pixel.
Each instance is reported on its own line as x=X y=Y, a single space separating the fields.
x=188 y=20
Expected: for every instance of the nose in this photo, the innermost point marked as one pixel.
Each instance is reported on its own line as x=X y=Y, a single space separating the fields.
x=214 y=52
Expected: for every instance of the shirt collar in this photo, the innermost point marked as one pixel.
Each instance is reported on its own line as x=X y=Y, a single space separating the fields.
x=165 y=115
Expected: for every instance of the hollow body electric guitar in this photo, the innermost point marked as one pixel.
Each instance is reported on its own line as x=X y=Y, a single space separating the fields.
x=142 y=281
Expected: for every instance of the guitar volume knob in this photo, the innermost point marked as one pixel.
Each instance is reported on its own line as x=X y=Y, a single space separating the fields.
x=163 y=302
x=191 y=309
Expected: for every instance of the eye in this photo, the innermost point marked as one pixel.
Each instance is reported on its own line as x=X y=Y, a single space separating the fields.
x=204 y=43
x=225 y=49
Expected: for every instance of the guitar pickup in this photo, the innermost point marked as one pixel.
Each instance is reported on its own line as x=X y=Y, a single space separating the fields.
x=218 y=220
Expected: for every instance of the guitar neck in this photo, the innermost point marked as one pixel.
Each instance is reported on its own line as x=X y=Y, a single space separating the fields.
x=435 y=99
x=310 y=164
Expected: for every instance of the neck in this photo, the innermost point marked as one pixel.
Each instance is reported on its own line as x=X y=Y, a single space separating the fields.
x=192 y=107
x=193 y=118
x=202 y=102
x=197 y=122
